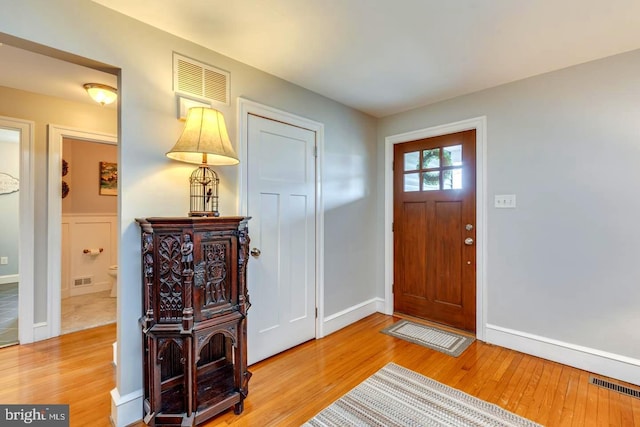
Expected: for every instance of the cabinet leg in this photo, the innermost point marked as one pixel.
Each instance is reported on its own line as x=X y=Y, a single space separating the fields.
x=238 y=408
x=188 y=421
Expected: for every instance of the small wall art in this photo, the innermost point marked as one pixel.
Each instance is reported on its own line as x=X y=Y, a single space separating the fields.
x=108 y=179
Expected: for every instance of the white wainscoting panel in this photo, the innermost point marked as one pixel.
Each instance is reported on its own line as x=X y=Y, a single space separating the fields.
x=84 y=273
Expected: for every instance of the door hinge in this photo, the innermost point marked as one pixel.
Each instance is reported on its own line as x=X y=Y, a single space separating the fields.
x=316 y=312
x=315 y=151
x=393 y=166
x=393 y=227
x=393 y=288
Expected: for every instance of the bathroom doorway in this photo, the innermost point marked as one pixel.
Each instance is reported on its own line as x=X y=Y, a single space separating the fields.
x=79 y=265
x=89 y=243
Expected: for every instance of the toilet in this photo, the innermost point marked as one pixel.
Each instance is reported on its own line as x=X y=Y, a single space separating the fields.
x=113 y=273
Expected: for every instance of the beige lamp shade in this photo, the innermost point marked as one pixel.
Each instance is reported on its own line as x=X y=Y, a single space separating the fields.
x=204 y=139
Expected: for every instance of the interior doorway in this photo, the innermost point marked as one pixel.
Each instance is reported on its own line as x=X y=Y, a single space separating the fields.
x=20 y=134
x=281 y=204
x=95 y=228
x=307 y=147
x=89 y=238
x=10 y=231
x=45 y=85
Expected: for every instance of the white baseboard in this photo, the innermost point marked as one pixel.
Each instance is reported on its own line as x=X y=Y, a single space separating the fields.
x=9 y=278
x=351 y=315
x=41 y=331
x=127 y=409
x=600 y=362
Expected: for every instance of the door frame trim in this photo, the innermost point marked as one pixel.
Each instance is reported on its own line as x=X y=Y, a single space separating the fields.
x=480 y=125
x=246 y=107
x=56 y=133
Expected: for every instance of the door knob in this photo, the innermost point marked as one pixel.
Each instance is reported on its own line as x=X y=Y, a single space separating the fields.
x=255 y=252
x=468 y=241
x=468 y=227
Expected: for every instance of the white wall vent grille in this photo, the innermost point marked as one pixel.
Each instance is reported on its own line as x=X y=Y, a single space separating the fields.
x=191 y=77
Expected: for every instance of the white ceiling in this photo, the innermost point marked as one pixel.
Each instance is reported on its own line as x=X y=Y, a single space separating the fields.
x=384 y=56
x=37 y=73
x=378 y=56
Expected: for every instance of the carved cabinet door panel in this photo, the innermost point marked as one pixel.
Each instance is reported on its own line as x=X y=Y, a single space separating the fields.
x=214 y=274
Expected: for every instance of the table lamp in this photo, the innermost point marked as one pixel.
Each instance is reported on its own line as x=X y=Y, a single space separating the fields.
x=204 y=141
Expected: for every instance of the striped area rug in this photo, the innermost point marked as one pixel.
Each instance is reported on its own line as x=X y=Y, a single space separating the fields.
x=437 y=339
x=398 y=397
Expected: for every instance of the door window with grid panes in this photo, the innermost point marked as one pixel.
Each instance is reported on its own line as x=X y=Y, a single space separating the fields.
x=434 y=169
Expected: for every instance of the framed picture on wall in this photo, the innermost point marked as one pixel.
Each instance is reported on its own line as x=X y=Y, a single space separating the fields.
x=108 y=179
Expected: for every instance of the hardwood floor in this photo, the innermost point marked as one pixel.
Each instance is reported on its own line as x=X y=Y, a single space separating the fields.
x=8 y=314
x=290 y=388
x=72 y=369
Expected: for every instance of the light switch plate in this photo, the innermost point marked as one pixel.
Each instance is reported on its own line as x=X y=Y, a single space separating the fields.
x=505 y=201
x=4 y=260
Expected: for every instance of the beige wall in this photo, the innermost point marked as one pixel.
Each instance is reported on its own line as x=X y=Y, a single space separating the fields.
x=83 y=178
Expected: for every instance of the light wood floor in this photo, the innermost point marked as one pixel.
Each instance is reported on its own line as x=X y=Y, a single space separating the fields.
x=292 y=387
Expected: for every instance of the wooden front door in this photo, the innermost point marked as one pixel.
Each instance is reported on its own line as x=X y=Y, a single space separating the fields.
x=434 y=229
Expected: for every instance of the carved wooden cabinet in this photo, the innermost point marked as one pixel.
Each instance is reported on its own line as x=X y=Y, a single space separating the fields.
x=194 y=326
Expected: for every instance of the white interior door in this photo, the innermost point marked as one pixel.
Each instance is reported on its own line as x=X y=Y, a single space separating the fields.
x=281 y=204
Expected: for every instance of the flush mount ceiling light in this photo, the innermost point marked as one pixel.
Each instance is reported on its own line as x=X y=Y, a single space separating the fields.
x=100 y=93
